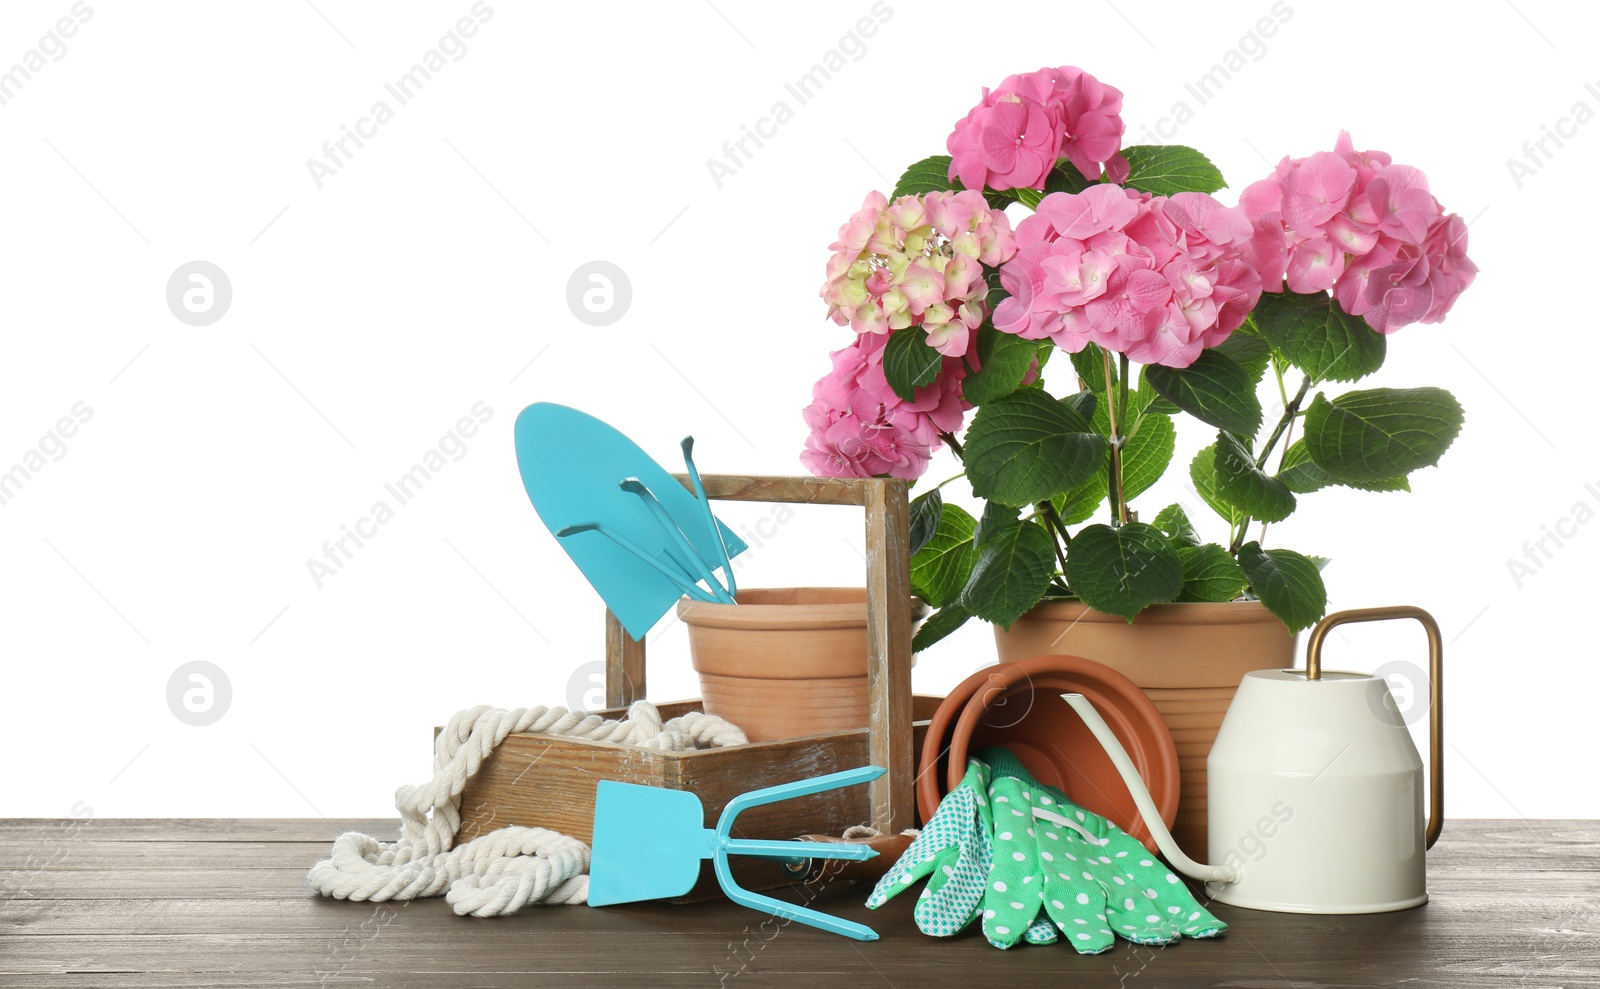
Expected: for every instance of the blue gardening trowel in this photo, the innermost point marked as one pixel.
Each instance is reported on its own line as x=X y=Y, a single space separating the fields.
x=649 y=842
x=639 y=537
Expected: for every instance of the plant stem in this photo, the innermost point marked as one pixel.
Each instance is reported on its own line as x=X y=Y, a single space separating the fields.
x=1288 y=441
x=1289 y=412
x=955 y=446
x=1058 y=531
x=1284 y=422
x=953 y=477
x=1119 y=508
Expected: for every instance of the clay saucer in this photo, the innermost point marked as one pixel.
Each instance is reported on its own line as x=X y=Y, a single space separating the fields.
x=1018 y=705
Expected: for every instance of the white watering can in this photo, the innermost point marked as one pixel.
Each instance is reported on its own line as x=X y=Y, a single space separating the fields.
x=1314 y=790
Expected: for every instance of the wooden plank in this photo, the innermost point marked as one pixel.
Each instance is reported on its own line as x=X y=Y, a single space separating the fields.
x=1557 y=904
x=625 y=676
x=89 y=854
x=889 y=622
x=195 y=829
x=151 y=883
x=794 y=490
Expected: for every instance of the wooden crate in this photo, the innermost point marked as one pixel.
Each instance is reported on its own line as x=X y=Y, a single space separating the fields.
x=546 y=781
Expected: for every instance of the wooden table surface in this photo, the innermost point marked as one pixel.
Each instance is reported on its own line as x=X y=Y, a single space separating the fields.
x=148 y=903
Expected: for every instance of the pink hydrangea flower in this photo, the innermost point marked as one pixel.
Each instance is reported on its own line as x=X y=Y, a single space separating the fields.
x=917 y=262
x=1016 y=134
x=1357 y=224
x=861 y=428
x=1156 y=278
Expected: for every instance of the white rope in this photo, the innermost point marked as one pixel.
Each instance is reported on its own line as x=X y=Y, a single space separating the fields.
x=505 y=870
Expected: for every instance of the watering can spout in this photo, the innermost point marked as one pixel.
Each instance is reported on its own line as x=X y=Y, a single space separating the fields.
x=1141 y=797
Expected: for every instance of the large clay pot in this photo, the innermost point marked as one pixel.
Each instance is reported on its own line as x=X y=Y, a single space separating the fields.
x=1188 y=658
x=784 y=661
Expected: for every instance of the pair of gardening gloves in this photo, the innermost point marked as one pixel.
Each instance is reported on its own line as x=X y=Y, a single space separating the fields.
x=1037 y=868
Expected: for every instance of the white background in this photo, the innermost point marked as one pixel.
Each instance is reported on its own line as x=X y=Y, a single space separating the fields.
x=430 y=274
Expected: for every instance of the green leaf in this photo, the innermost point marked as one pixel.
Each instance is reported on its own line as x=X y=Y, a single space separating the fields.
x=926 y=511
x=1121 y=571
x=1303 y=476
x=909 y=363
x=928 y=175
x=1012 y=573
x=1148 y=450
x=1174 y=522
x=940 y=569
x=1381 y=433
x=1089 y=363
x=1004 y=360
x=1027 y=447
x=1028 y=197
x=1082 y=502
x=1084 y=403
x=1149 y=440
x=1065 y=177
x=1167 y=169
x=1147 y=399
x=1245 y=486
x=1214 y=389
x=1315 y=335
x=1287 y=583
x=938 y=625
x=1203 y=472
x=1248 y=351
x=1210 y=574
x=994 y=519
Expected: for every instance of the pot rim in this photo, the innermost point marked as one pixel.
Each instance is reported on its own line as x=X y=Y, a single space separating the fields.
x=1241 y=612
x=755 y=613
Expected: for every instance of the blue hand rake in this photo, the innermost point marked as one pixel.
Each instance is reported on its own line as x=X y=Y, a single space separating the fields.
x=639 y=537
x=649 y=842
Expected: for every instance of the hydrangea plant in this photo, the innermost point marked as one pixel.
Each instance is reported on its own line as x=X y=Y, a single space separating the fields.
x=1165 y=302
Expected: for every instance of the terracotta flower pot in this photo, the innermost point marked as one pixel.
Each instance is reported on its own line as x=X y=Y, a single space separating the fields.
x=1188 y=658
x=784 y=661
x=1018 y=706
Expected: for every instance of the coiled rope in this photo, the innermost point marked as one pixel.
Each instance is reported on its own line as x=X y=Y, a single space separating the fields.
x=507 y=869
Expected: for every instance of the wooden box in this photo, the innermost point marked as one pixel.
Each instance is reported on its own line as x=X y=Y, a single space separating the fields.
x=546 y=781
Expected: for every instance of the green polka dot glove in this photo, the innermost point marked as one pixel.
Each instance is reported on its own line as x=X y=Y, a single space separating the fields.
x=953 y=850
x=1057 y=867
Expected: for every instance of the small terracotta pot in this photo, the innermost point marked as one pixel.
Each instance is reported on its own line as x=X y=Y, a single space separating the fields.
x=1187 y=657
x=784 y=661
x=1018 y=706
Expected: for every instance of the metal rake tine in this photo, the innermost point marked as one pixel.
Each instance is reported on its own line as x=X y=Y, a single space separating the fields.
x=634 y=486
x=711 y=520
x=687 y=586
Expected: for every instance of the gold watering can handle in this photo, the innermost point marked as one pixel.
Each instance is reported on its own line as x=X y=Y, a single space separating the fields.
x=1435 y=678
